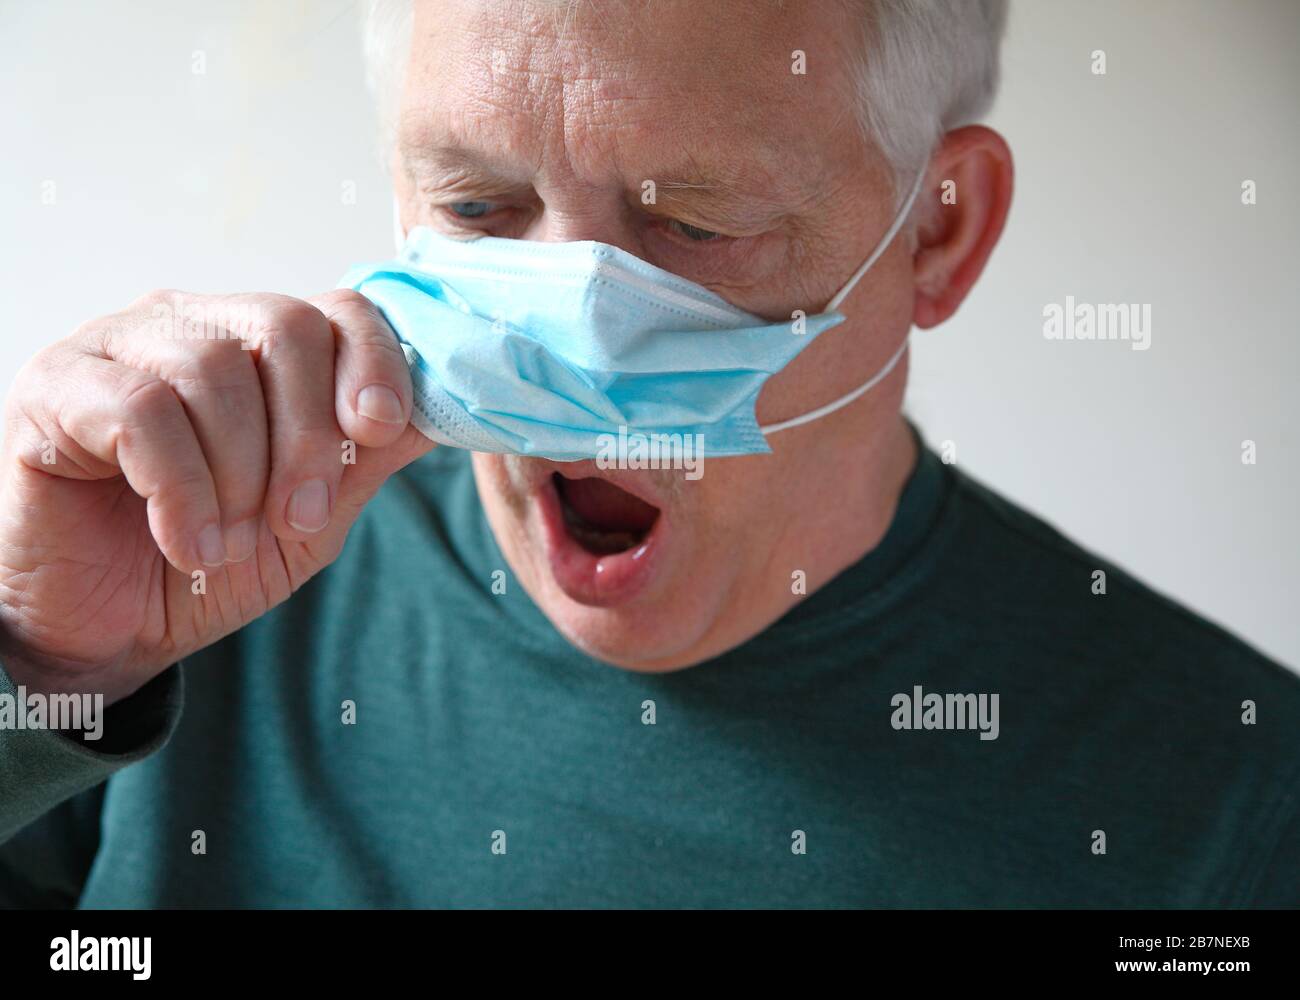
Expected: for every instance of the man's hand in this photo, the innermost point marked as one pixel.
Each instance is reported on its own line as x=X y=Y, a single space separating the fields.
x=161 y=490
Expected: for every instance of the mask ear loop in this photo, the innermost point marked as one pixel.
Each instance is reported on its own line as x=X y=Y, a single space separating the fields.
x=834 y=304
x=399 y=234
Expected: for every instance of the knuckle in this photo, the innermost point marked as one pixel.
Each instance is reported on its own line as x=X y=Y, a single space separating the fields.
x=28 y=387
x=383 y=341
x=157 y=296
x=346 y=298
x=283 y=315
x=376 y=342
x=186 y=486
x=293 y=325
x=361 y=322
x=36 y=369
x=145 y=400
x=48 y=373
x=159 y=312
x=214 y=366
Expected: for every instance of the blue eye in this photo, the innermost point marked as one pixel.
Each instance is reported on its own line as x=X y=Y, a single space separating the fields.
x=471 y=209
x=694 y=232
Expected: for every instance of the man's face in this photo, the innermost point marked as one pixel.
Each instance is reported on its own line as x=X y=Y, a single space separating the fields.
x=543 y=121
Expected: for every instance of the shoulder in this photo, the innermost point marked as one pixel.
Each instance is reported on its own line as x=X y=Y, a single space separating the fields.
x=1062 y=592
x=1187 y=733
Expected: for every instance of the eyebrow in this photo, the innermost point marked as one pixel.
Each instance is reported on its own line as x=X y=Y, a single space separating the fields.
x=456 y=160
x=715 y=203
x=724 y=192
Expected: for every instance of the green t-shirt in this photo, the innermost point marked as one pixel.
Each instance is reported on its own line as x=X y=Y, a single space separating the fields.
x=489 y=763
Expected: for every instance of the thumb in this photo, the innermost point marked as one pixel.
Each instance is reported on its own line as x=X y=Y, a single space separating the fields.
x=361 y=481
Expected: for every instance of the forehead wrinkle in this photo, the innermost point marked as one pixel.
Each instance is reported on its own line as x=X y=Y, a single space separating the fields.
x=588 y=115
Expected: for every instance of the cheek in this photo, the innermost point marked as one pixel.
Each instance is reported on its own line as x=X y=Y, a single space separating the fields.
x=879 y=313
x=502 y=483
x=828 y=363
x=722 y=508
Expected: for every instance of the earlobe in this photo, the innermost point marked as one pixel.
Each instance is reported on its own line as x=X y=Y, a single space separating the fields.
x=967 y=197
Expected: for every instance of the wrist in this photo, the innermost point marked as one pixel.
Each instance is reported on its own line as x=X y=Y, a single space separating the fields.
x=41 y=674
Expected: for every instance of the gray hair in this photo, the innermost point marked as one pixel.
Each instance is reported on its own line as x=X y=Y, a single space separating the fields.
x=929 y=66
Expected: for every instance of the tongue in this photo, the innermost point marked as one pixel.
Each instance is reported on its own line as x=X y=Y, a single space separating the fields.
x=603 y=505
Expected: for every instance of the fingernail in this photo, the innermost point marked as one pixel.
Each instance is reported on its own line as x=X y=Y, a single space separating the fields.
x=378 y=402
x=309 y=506
x=241 y=540
x=212 y=550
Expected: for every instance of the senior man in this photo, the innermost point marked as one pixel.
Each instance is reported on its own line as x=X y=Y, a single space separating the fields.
x=830 y=671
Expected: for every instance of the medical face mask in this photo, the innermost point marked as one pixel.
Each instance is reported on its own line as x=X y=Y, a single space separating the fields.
x=581 y=350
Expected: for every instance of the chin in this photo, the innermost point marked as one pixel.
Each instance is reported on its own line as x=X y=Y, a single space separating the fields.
x=644 y=641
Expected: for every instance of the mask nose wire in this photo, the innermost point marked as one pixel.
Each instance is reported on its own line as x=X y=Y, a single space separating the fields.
x=834 y=304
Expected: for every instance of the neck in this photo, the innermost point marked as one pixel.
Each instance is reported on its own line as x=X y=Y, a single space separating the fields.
x=836 y=517
x=858 y=500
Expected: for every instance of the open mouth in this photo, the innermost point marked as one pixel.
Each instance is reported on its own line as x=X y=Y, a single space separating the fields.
x=605 y=545
x=602 y=518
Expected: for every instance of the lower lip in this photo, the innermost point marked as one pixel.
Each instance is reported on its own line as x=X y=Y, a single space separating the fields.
x=599 y=581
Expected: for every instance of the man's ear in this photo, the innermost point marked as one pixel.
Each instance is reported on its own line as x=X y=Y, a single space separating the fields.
x=969 y=194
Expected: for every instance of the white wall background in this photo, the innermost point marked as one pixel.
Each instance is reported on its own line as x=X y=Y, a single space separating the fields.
x=1128 y=191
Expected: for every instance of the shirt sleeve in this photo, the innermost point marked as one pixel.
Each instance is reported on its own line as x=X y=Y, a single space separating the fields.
x=41 y=768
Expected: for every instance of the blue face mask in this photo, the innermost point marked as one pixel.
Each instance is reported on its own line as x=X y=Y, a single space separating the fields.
x=574 y=350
